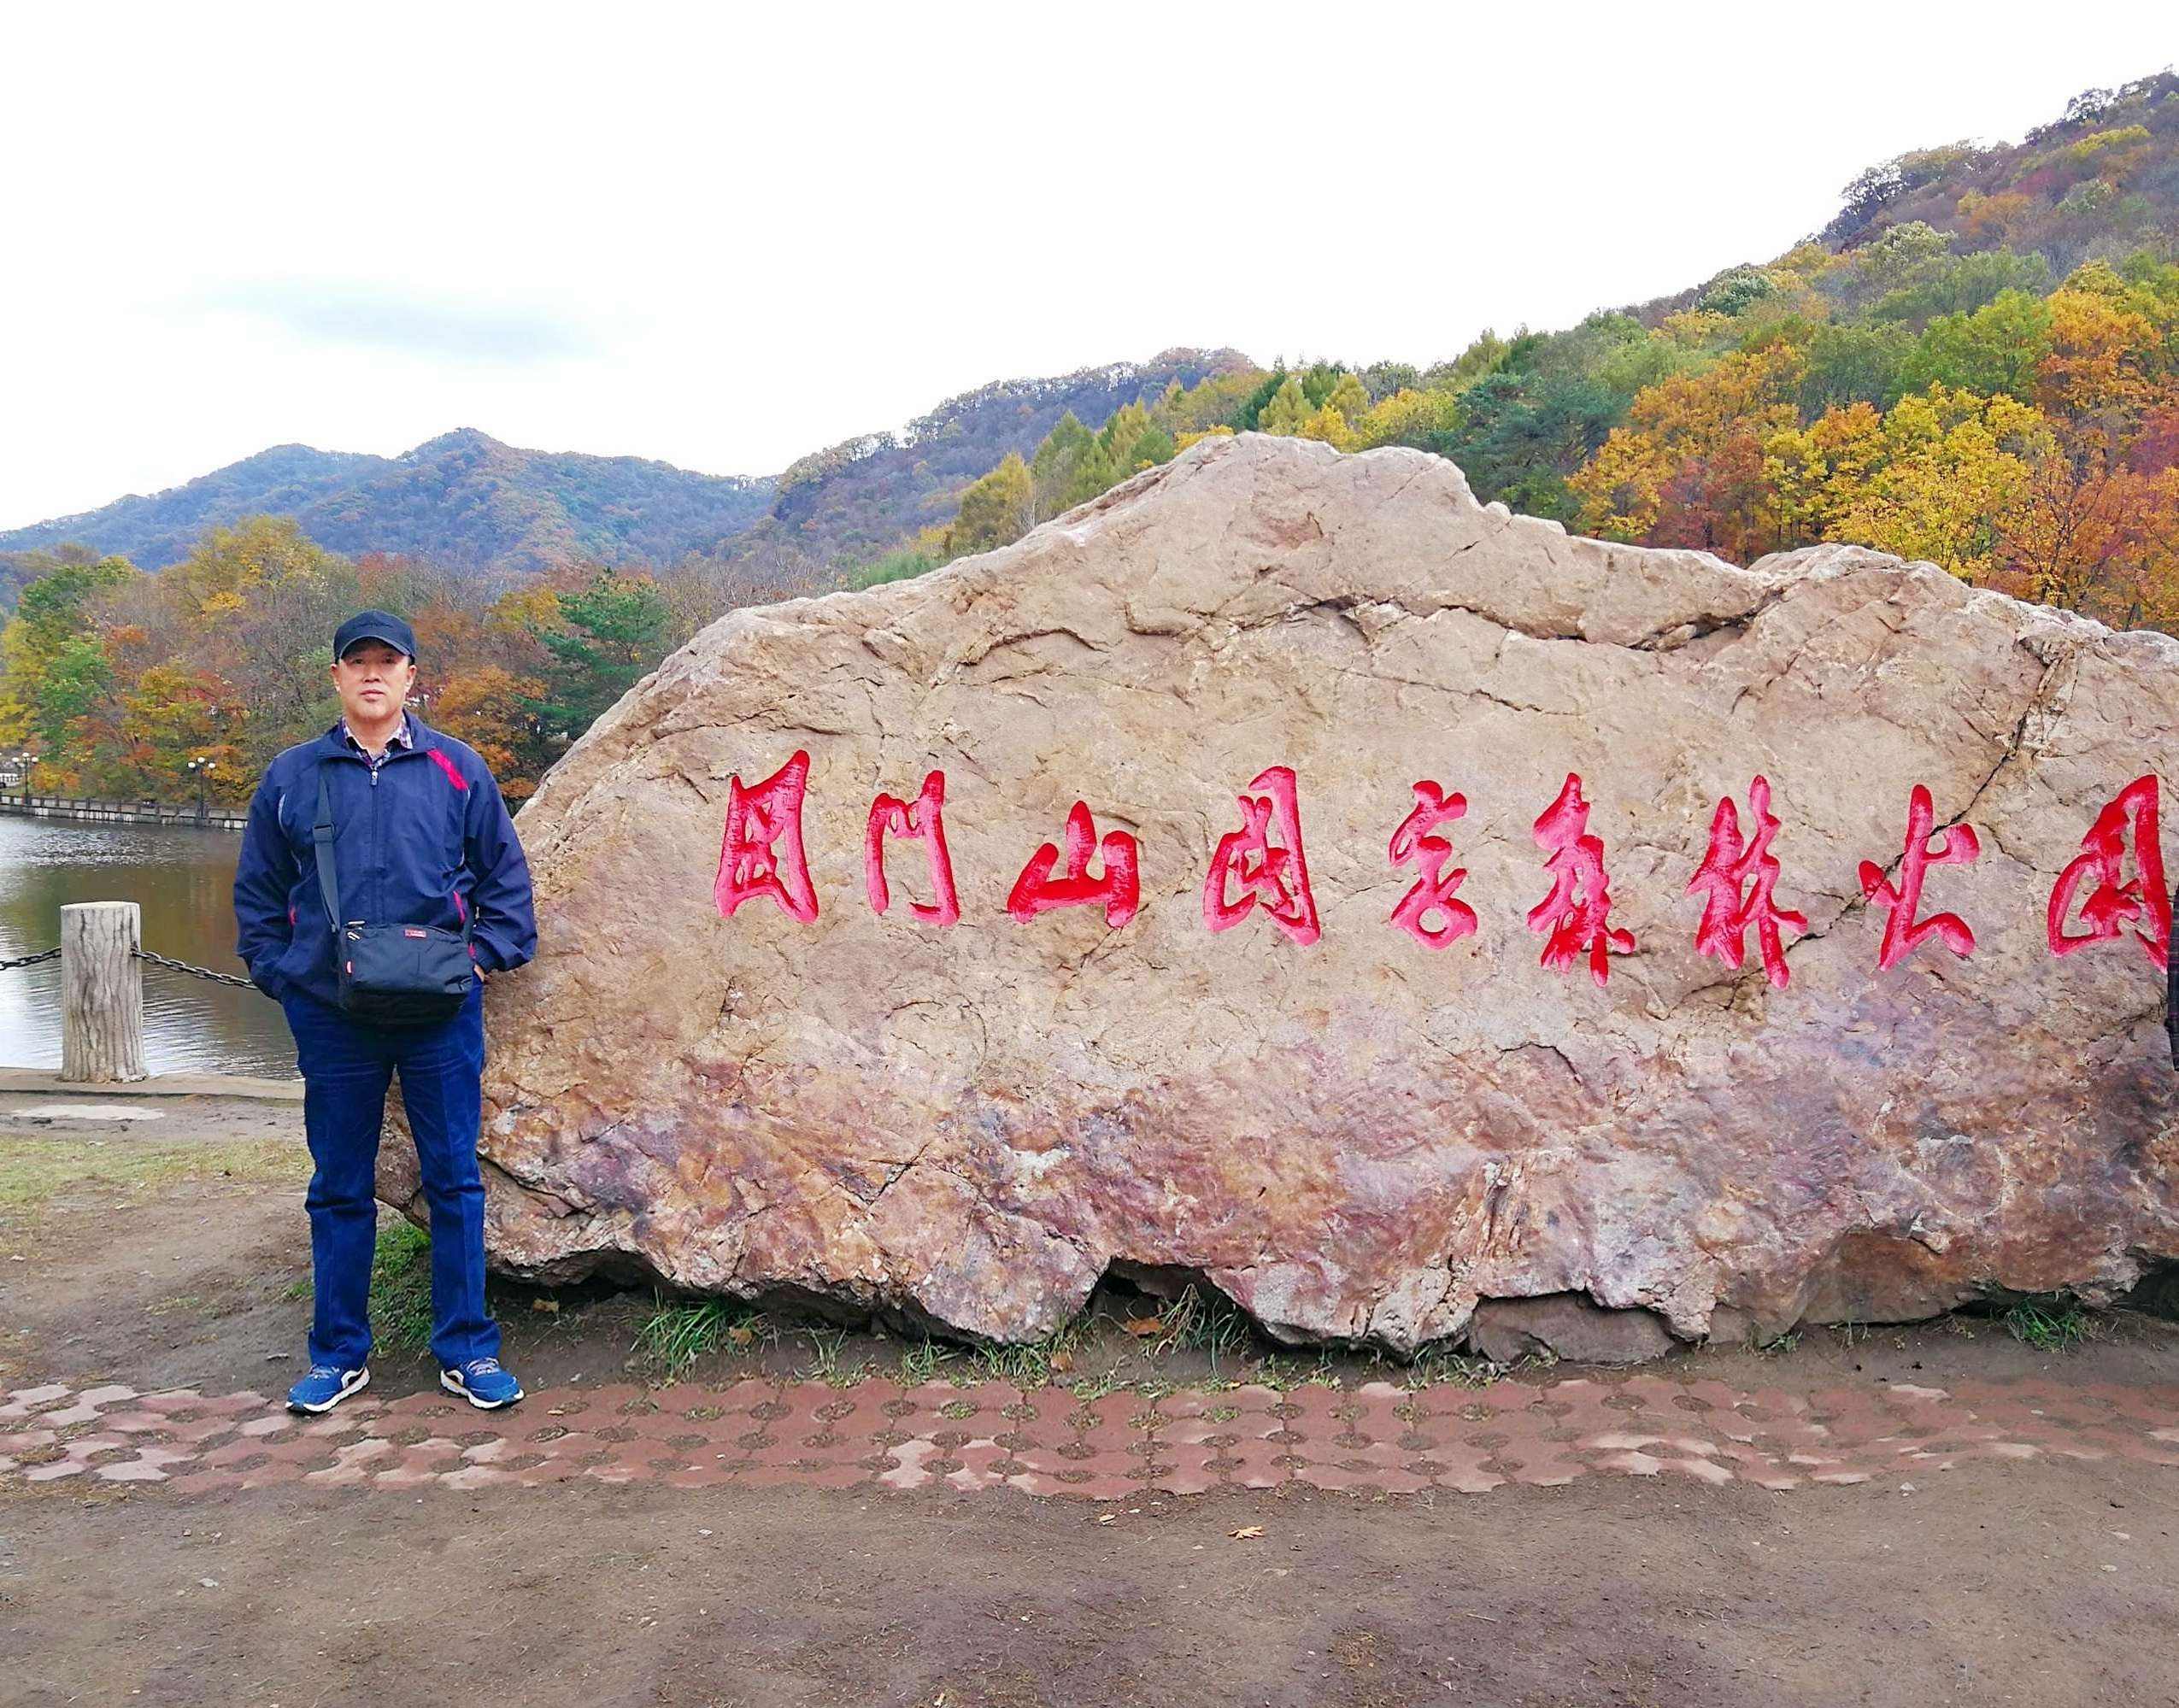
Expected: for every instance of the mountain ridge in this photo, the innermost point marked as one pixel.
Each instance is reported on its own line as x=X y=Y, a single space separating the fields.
x=473 y=502
x=461 y=497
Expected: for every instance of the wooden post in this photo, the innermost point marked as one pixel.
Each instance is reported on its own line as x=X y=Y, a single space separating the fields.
x=102 y=993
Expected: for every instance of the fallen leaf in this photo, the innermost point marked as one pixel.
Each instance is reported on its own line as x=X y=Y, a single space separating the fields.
x=1062 y=1361
x=1142 y=1327
x=1108 y=1517
x=1247 y=1531
x=551 y=1305
x=741 y=1334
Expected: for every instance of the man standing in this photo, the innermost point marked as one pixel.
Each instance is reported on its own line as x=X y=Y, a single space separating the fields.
x=420 y=838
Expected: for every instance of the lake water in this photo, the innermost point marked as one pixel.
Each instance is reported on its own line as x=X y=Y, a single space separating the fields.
x=184 y=881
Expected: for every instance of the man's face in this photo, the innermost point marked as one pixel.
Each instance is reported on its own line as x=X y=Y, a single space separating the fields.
x=372 y=679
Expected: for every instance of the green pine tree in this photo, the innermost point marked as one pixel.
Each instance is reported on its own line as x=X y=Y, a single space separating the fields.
x=613 y=633
x=1093 y=473
x=1288 y=411
x=1155 y=446
x=1350 y=397
x=1052 y=468
x=1128 y=423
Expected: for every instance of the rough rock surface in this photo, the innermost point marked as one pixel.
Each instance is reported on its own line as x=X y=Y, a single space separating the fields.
x=1566 y=1325
x=1361 y=1137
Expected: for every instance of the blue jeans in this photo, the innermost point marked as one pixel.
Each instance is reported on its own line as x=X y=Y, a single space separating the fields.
x=346 y=1068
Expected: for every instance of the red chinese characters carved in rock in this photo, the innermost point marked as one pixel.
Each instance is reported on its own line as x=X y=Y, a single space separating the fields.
x=1902 y=934
x=1259 y=869
x=1413 y=844
x=2112 y=903
x=1577 y=915
x=1120 y=888
x=752 y=861
x=1739 y=873
x=921 y=819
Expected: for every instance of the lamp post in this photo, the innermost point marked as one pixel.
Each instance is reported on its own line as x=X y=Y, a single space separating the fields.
x=21 y=762
x=202 y=768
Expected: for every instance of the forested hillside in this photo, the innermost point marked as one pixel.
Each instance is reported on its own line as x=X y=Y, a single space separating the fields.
x=463 y=500
x=1976 y=363
x=844 y=503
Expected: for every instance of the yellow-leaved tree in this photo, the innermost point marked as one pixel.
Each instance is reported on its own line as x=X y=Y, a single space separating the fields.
x=995 y=511
x=2101 y=371
x=1693 y=444
x=487 y=708
x=1819 y=471
x=1953 y=466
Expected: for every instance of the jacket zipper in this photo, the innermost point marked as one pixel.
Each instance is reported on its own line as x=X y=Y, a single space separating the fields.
x=378 y=842
x=378 y=845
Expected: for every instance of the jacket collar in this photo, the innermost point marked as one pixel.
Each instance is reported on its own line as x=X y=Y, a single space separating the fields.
x=333 y=744
x=403 y=736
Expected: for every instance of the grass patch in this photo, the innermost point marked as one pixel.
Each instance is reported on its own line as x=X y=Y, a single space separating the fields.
x=921 y=1361
x=1438 y=1366
x=1033 y=1363
x=400 y=1288
x=1092 y=1387
x=1282 y=1372
x=828 y=1362
x=36 y=1172
x=1206 y=1322
x=2049 y=1322
x=679 y=1331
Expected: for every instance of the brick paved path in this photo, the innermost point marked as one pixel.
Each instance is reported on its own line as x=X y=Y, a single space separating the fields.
x=878 y=1435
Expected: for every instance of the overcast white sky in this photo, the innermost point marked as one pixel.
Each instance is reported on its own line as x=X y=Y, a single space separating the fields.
x=723 y=241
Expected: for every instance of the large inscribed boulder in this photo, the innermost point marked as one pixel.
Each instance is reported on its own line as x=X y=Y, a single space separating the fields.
x=1231 y=1021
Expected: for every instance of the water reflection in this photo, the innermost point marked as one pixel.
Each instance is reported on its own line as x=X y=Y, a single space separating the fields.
x=183 y=879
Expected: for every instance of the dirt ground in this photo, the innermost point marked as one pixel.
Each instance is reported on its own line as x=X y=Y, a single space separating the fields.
x=173 y=1252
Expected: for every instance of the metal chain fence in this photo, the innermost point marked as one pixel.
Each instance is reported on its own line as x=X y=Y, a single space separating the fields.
x=153 y=956
x=193 y=971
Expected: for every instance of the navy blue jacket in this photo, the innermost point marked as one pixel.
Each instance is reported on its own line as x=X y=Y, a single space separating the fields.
x=421 y=841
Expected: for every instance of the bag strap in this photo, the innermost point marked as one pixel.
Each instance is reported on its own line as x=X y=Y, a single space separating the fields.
x=321 y=834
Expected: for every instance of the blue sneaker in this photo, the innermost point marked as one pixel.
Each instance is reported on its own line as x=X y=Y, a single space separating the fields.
x=483 y=1384
x=325 y=1387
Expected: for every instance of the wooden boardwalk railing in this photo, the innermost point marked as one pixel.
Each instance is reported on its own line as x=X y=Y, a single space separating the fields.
x=98 y=812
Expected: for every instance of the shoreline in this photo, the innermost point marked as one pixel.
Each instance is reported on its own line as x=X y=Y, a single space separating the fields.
x=47 y=1081
x=89 y=810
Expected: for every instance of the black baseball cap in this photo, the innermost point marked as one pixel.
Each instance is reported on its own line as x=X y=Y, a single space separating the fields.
x=374 y=625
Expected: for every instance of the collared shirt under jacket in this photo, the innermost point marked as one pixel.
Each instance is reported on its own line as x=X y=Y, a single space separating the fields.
x=420 y=838
x=403 y=736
